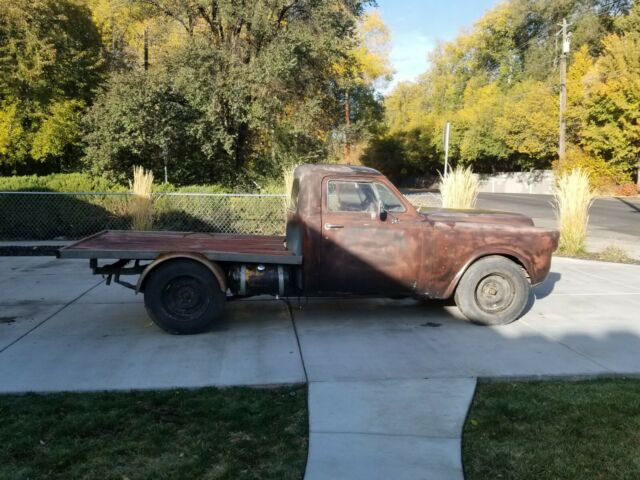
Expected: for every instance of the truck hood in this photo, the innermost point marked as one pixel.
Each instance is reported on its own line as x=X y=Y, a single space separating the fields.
x=452 y=216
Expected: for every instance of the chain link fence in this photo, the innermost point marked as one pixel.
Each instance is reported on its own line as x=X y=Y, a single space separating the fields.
x=71 y=216
x=425 y=200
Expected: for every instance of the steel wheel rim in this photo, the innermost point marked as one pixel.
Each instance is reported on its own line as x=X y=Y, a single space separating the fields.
x=495 y=293
x=185 y=297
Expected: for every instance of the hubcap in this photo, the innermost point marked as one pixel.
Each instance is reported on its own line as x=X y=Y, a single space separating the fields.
x=185 y=297
x=495 y=293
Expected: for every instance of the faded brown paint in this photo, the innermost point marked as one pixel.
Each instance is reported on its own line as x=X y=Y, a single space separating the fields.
x=414 y=253
x=183 y=242
x=213 y=267
x=411 y=252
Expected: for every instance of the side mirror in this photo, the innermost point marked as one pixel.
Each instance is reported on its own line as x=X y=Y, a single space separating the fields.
x=382 y=213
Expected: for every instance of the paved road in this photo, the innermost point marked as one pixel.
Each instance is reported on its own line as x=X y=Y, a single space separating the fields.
x=390 y=381
x=615 y=215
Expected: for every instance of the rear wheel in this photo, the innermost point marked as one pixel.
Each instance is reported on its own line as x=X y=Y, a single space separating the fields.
x=183 y=297
x=493 y=291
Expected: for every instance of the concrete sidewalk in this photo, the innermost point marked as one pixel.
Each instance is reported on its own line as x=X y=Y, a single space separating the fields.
x=400 y=429
x=389 y=381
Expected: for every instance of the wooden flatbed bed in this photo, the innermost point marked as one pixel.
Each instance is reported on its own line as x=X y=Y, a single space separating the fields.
x=134 y=245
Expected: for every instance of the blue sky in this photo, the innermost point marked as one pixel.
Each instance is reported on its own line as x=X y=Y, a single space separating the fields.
x=417 y=25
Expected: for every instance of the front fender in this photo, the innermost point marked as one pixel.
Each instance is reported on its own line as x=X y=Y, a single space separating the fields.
x=517 y=257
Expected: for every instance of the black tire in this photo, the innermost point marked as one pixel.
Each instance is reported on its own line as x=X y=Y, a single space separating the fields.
x=183 y=297
x=493 y=291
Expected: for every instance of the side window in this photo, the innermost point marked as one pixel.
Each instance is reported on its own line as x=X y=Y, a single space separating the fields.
x=343 y=196
x=293 y=199
x=390 y=202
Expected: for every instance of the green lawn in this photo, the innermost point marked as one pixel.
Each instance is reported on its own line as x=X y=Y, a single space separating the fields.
x=554 y=430
x=237 y=433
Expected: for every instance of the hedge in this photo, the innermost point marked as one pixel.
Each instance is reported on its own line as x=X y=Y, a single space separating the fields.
x=83 y=182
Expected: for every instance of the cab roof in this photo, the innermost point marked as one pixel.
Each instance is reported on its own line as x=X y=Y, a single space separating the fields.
x=329 y=169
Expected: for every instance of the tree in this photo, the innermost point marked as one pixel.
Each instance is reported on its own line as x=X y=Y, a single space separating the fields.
x=478 y=143
x=613 y=125
x=50 y=64
x=528 y=124
x=144 y=120
x=366 y=67
x=496 y=83
x=258 y=78
x=13 y=141
x=59 y=132
x=134 y=34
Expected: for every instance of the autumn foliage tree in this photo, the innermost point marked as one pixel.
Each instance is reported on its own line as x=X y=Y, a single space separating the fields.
x=497 y=84
x=365 y=68
x=259 y=79
x=50 y=63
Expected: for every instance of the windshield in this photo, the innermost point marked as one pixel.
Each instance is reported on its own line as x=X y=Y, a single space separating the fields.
x=390 y=202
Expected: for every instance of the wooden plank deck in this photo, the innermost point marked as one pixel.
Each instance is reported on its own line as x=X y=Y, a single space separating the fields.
x=134 y=245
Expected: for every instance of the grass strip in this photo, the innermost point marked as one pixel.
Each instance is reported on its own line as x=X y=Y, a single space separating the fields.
x=554 y=430
x=236 y=433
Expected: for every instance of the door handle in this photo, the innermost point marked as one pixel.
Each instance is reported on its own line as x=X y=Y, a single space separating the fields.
x=332 y=226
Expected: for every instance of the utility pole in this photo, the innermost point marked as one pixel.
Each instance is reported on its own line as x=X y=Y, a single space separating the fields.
x=566 y=46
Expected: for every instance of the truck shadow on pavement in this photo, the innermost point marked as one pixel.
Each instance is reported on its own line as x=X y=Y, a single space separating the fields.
x=105 y=341
x=634 y=207
x=546 y=288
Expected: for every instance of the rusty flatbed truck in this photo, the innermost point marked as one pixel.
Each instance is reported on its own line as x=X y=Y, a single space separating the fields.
x=349 y=232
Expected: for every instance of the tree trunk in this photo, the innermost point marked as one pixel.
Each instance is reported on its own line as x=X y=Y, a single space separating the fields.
x=146 y=48
x=347 y=128
x=241 y=145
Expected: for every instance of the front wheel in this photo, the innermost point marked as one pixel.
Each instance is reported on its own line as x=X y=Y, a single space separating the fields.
x=493 y=291
x=183 y=297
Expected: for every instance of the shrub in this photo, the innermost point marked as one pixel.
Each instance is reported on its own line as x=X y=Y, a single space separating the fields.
x=58 y=182
x=573 y=197
x=287 y=175
x=628 y=189
x=603 y=176
x=459 y=188
x=141 y=203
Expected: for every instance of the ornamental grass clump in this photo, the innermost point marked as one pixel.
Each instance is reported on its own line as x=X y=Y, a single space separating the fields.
x=459 y=188
x=141 y=203
x=287 y=175
x=573 y=197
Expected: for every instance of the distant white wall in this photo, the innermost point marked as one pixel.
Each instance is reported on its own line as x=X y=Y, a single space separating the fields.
x=536 y=181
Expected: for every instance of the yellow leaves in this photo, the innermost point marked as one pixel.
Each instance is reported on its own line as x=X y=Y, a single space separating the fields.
x=577 y=76
x=59 y=130
x=11 y=129
x=369 y=62
x=613 y=127
x=404 y=108
x=122 y=26
x=529 y=121
x=601 y=173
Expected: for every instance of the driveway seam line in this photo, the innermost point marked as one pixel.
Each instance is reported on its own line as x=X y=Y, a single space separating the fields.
x=295 y=333
x=400 y=379
x=49 y=317
x=377 y=434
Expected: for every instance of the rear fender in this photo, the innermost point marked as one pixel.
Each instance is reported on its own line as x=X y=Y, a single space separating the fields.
x=215 y=268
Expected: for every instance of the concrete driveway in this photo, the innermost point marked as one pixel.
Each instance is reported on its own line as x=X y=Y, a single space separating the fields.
x=390 y=381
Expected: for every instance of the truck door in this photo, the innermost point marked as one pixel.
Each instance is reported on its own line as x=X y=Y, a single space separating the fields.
x=361 y=253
